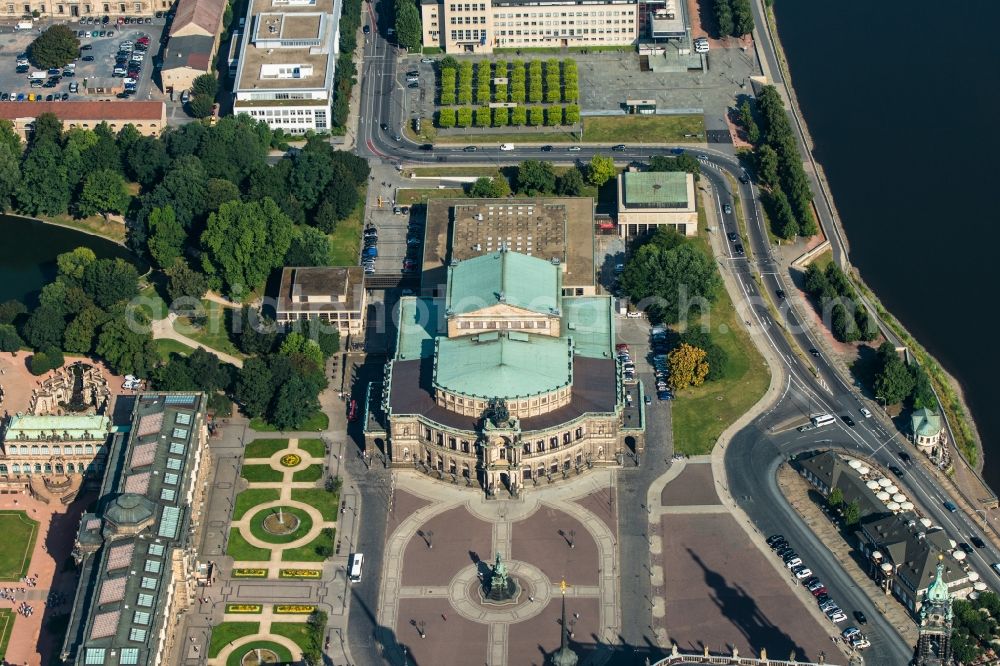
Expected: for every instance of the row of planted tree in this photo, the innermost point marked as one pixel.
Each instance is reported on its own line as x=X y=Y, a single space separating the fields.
x=553 y=82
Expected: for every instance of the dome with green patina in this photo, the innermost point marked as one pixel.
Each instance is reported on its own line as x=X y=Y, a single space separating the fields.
x=130 y=510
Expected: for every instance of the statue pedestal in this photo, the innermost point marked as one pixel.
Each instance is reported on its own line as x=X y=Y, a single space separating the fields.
x=498 y=596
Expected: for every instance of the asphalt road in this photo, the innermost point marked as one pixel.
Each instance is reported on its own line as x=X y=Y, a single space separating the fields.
x=813 y=384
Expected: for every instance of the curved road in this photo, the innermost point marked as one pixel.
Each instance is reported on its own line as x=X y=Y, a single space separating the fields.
x=813 y=386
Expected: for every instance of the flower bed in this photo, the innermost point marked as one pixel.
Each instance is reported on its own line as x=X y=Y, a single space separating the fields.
x=244 y=608
x=294 y=609
x=300 y=573
x=249 y=573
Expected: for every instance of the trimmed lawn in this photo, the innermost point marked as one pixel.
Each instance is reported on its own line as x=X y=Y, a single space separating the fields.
x=264 y=448
x=418 y=196
x=326 y=502
x=165 y=347
x=823 y=260
x=251 y=497
x=261 y=474
x=296 y=631
x=347 y=234
x=514 y=137
x=18 y=544
x=154 y=306
x=308 y=552
x=454 y=171
x=95 y=224
x=643 y=129
x=241 y=550
x=317 y=421
x=314 y=447
x=6 y=626
x=311 y=473
x=213 y=332
x=702 y=413
x=284 y=656
x=257 y=525
x=227 y=632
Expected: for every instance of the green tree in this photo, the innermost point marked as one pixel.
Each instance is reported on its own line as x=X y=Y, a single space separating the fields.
x=82 y=330
x=293 y=404
x=852 y=513
x=71 y=265
x=782 y=217
x=536 y=115
x=103 y=192
x=518 y=116
x=127 y=351
x=489 y=188
x=219 y=191
x=44 y=187
x=842 y=324
x=922 y=395
x=44 y=328
x=570 y=183
x=296 y=343
x=601 y=170
x=146 y=160
x=205 y=84
x=244 y=241
x=835 y=499
x=893 y=381
x=166 y=236
x=210 y=375
x=254 y=389
x=324 y=335
x=688 y=366
x=200 y=106
x=723 y=18
x=174 y=375
x=184 y=282
x=11 y=310
x=10 y=176
x=309 y=247
x=767 y=166
x=742 y=18
x=535 y=177
x=39 y=363
x=110 y=281
x=183 y=186
x=867 y=328
x=254 y=332
x=104 y=152
x=56 y=47
x=10 y=341
x=408 y=29
x=10 y=137
x=715 y=355
x=685 y=162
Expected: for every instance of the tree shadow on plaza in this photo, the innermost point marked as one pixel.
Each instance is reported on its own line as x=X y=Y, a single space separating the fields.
x=739 y=607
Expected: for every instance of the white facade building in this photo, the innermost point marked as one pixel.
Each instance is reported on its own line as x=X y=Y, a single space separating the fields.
x=286 y=63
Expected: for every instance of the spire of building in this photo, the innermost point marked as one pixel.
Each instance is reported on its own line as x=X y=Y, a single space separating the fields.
x=934 y=633
x=565 y=656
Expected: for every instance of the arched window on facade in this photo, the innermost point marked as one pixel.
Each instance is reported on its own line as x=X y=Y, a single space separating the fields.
x=15 y=468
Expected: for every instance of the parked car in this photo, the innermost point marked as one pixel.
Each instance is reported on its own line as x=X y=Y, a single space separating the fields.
x=727 y=209
x=805 y=572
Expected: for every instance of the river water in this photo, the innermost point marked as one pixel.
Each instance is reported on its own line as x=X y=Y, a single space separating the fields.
x=28 y=250
x=900 y=99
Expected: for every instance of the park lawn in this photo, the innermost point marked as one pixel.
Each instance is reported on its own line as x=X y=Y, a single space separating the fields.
x=242 y=551
x=410 y=197
x=701 y=413
x=95 y=224
x=6 y=626
x=214 y=332
x=153 y=306
x=304 y=525
x=325 y=502
x=311 y=473
x=471 y=138
x=261 y=474
x=314 y=447
x=165 y=347
x=295 y=631
x=643 y=129
x=227 y=632
x=236 y=657
x=458 y=172
x=251 y=497
x=307 y=553
x=823 y=259
x=317 y=421
x=264 y=448
x=18 y=544
x=346 y=235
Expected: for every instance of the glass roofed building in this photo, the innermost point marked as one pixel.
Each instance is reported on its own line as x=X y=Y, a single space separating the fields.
x=137 y=562
x=504 y=381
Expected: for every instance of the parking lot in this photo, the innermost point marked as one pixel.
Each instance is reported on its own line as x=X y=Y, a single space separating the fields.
x=394 y=243
x=101 y=49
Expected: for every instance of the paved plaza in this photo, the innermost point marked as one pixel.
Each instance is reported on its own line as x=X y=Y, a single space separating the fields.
x=443 y=539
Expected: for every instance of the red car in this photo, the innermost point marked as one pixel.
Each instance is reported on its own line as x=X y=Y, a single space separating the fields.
x=352 y=412
x=819 y=590
x=621 y=347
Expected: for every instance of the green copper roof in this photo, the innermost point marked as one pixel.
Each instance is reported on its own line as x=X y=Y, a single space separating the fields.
x=419 y=319
x=30 y=426
x=655 y=189
x=503 y=364
x=938 y=590
x=508 y=277
x=926 y=423
x=588 y=320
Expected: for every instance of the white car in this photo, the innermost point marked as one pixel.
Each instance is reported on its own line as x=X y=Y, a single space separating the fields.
x=794 y=562
x=131 y=82
x=506 y=146
x=805 y=573
x=837 y=618
x=860 y=642
x=865 y=412
x=701 y=45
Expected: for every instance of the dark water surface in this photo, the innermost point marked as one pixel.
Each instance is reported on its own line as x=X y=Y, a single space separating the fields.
x=902 y=100
x=28 y=250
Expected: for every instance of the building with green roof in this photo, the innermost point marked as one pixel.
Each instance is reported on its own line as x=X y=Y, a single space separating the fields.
x=651 y=199
x=36 y=445
x=504 y=380
x=927 y=432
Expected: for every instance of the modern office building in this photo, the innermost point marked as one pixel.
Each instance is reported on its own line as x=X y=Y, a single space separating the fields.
x=479 y=27
x=651 y=199
x=335 y=295
x=286 y=63
x=503 y=381
x=138 y=568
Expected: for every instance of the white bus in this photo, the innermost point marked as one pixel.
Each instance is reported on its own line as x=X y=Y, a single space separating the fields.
x=822 y=420
x=354 y=568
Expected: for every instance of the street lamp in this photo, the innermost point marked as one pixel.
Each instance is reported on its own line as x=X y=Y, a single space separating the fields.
x=572 y=538
x=420 y=627
x=430 y=535
x=884 y=402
